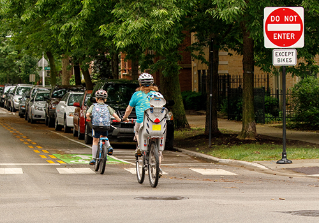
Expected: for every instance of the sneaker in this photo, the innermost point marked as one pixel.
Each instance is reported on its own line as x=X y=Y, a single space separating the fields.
x=160 y=173
x=138 y=151
x=110 y=151
x=92 y=162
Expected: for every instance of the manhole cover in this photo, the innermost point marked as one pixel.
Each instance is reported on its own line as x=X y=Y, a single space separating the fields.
x=161 y=198
x=306 y=213
x=306 y=170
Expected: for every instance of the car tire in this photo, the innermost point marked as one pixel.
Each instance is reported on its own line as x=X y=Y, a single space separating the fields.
x=46 y=120
x=87 y=138
x=32 y=120
x=75 y=133
x=65 y=126
x=80 y=135
x=50 y=122
x=57 y=127
x=26 y=116
x=29 y=120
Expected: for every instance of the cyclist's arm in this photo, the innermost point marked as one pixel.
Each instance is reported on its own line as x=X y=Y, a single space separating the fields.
x=88 y=113
x=113 y=113
x=127 y=112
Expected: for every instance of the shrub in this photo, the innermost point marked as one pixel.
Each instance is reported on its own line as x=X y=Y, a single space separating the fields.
x=306 y=99
x=194 y=100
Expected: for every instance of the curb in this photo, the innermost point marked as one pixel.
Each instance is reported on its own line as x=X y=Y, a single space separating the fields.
x=224 y=161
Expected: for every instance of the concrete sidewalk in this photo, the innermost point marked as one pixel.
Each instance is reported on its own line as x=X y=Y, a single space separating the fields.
x=306 y=167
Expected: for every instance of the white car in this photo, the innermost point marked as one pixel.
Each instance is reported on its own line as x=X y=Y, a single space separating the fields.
x=17 y=95
x=37 y=109
x=65 y=111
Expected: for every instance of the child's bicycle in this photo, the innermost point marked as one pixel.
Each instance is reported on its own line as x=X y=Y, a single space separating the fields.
x=152 y=141
x=101 y=155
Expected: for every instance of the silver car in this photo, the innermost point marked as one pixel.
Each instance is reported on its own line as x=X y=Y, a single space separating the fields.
x=37 y=109
x=17 y=94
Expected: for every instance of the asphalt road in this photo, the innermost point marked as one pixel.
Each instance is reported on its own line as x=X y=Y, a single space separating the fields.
x=44 y=177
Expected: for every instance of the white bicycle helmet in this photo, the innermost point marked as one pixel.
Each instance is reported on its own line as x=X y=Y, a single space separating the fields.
x=101 y=94
x=145 y=79
x=155 y=95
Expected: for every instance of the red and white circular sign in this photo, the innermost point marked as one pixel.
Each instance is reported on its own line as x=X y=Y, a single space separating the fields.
x=283 y=27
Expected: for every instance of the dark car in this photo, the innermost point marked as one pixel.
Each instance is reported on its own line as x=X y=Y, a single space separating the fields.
x=55 y=97
x=79 y=115
x=119 y=95
x=4 y=94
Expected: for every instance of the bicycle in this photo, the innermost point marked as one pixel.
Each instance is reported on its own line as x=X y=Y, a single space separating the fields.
x=152 y=141
x=101 y=155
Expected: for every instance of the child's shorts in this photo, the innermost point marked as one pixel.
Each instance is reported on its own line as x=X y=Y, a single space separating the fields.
x=97 y=134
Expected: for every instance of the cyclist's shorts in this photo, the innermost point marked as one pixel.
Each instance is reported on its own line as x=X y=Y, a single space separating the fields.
x=97 y=134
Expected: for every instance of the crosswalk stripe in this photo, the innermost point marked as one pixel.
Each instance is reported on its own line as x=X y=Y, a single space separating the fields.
x=11 y=171
x=75 y=171
x=133 y=171
x=212 y=171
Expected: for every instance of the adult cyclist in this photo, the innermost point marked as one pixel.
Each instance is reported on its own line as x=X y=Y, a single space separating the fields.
x=140 y=101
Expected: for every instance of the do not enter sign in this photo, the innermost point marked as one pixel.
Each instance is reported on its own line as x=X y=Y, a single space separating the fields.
x=284 y=27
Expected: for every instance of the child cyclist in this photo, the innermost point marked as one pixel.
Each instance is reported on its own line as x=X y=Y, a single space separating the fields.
x=97 y=110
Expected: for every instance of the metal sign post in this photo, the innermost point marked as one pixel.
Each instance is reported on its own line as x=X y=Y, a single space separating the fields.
x=284 y=159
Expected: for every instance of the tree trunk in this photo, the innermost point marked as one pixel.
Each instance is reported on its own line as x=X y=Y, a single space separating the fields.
x=77 y=74
x=115 y=65
x=53 y=71
x=171 y=90
x=87 y=78
x=215 y=60
x=65 y=73
x=249 y=124
x=135 y=63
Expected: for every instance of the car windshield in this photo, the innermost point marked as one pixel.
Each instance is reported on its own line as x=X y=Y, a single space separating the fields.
x=41 y=96
x=21 y=90
x=74 y=98
x=119 y=93
x=58 y=93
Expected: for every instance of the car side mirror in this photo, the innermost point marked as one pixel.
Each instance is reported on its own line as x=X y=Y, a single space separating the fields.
x=76 y=104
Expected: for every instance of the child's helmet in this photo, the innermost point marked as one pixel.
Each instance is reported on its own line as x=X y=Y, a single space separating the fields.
x=155 y=95
x=145 y=79
x=101 y=94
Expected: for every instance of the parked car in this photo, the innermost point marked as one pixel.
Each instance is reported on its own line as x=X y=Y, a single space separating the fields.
x=17 y=94
x=79 y=115
x=31 y=94
x=3 y=94
x=37 y=109
x=22 y=104
x=7 y=98
x=56 y=94
x=65 y=111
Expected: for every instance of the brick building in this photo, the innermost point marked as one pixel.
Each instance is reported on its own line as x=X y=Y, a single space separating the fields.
x=232 y=65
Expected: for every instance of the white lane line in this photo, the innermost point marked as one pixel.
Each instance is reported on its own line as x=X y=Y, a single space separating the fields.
x=133 y=171
x=83 y=144
x=11 y=171
x=75 y=171
x=212 y=171
x=28 y=164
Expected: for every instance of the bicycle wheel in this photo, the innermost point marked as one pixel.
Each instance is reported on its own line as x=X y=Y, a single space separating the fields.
x=98 y=156
x=153 y=165
x=140 y=168
x=103 y=159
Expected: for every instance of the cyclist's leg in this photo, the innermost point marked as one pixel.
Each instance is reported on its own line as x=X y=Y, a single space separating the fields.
x=136 y=131
x=108 y=144
x=95 y=143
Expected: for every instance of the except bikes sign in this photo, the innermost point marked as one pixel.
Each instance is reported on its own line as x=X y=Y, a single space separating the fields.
x=284 y=27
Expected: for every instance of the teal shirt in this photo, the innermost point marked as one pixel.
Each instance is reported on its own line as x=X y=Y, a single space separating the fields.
x=140 y=102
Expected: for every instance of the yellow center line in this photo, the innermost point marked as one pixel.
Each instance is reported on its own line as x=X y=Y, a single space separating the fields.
x=43 y=156
x=18 y=137
x=50 y=161
x=60 y=161
x=53 y=157
x=37 y=151
x=39 y=147
x=33 y=143
x=24 y=137
x=45 y=151
x=26 y=143
x=22 y=140
x=29 y=140
x=31 y=147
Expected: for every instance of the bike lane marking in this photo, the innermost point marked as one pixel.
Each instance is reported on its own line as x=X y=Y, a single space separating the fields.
x=27 y=142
